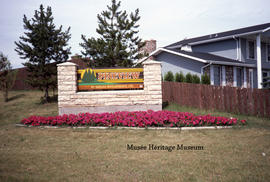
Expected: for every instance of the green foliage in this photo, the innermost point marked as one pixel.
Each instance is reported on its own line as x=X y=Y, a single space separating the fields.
x=195 y=79
x=41 y=45
x=205 y=79
x=7 y=75
x=89 y=77
x=177 y=77
x=189 y=78
x=180 y=77
x=118 y=44
x=169 y=76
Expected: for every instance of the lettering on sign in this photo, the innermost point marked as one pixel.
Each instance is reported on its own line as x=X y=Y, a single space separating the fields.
x=110 y=79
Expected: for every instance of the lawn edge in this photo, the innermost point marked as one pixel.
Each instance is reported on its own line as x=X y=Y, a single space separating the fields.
x=132 y=128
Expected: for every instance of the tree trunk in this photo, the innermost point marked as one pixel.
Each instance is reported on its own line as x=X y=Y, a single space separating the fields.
x=6 y=92
x=46 y=96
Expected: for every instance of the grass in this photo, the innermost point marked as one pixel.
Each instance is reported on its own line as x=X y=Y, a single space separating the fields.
x=65 y=154
x=24 y=104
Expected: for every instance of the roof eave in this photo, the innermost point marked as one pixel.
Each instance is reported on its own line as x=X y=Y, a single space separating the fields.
x=227 y=37
x=233 y=64
x=266 y=29
x=156 y=52
x=178 y=54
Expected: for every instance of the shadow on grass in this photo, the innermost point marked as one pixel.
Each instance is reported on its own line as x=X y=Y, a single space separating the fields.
x=16 y=97
x=52 y=99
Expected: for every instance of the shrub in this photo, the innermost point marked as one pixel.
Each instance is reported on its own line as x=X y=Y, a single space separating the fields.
x=189 y=78
x=205 y=79
x=182 y=77
x=195 y=79
x=169 y=76
x=177 y=77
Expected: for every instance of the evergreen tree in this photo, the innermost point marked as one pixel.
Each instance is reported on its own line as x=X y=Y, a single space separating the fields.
x=195 y=79
x=189 y=78
x=177 y=77
x=43 y=44
x=182 y=77
x=118 y=44
x=205 y=79
x=169 y=76
x=7 y=75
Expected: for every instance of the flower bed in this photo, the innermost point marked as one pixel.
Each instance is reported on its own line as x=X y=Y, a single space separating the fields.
x=133 y=119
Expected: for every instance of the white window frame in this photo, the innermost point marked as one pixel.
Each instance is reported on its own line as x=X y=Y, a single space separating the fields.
x=247 y=49
x=267 y=45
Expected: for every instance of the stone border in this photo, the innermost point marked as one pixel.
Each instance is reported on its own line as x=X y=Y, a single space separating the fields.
x=131 y=128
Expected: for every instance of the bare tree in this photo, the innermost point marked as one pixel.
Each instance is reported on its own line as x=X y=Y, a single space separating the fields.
x=7 y=75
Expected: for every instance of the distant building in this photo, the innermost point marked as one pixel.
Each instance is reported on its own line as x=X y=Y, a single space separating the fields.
x=21 y=84
x=239 y=58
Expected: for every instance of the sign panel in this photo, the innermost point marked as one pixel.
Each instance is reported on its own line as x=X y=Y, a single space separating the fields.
x=110 y=79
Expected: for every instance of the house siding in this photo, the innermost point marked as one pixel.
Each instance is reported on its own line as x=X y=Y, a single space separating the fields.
x=224 y=48
x=176 y=64
x=244 y=58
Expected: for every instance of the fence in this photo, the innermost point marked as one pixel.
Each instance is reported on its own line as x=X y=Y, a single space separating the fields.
x=229 y=99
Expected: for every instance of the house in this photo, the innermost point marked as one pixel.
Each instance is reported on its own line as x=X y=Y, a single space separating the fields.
x=239 y=58
x=22 y=74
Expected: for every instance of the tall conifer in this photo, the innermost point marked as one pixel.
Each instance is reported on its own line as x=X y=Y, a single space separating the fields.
x=41 y=45
x=118 y=44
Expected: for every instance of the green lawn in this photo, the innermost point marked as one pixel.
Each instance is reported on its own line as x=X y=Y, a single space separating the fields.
x=66 y=154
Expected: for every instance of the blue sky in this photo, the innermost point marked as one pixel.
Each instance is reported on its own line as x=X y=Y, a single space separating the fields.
x=165 y=21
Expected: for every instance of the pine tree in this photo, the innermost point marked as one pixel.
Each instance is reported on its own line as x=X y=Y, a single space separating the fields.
x=118 y=44
x=43 y=46
x=189 y=78
x=169 y=76
x=205 y=79
x=196 y=79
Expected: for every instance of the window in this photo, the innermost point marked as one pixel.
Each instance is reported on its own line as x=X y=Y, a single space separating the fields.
x=240 y=77
x=268 y=52
x=217 y=75
x=251 y=49
x=264 y=77
x=251 y=78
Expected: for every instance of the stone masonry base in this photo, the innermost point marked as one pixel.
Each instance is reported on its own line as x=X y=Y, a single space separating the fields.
x=76 y=110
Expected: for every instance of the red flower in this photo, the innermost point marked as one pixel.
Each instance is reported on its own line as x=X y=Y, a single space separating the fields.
x=137 y=118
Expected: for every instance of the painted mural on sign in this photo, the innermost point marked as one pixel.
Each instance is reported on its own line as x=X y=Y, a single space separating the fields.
x=110 y=79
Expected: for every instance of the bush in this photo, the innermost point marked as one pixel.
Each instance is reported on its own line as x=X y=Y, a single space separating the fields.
x=189 y=78
x=195 y=79
x=182 y=77
x=169 y=76
x=205 y=79
x=179 y=77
